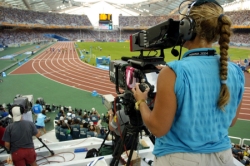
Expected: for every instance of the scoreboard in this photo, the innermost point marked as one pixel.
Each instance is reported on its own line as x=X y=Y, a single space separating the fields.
x=105 y=18
x=105 y=21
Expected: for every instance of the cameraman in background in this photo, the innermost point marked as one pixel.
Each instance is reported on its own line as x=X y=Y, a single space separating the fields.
x=198 y=97
x=3 y=112
x=117 y=123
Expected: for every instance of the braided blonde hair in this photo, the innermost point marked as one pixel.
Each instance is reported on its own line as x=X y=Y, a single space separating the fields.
x=213 y=26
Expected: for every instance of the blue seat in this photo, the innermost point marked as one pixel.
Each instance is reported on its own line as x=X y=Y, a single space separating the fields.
x=79 y=118
x=86 y=120
x=102 y=136
x=58 y=116
x=90 y=133
x=75 y=131
x=94 y=118
x=57 y=130
x=69 y=137
x=83 y=133
x=63 y=134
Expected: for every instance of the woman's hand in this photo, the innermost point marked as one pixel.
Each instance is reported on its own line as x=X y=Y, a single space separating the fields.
x=138 y=94
x=110 y=112
x=160 y=66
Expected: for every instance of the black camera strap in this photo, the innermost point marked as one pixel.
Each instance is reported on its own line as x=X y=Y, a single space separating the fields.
x=202 y=53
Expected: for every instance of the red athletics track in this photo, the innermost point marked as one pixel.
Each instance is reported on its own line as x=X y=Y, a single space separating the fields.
x=65 y=67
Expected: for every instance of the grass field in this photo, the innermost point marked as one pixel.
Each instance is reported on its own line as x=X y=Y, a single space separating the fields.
x=117 y=50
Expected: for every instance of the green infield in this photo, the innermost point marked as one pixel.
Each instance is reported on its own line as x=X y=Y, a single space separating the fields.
x=116 y=50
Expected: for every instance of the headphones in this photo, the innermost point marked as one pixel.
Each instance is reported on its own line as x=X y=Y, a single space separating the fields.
x=187 y=23
x=22 y=110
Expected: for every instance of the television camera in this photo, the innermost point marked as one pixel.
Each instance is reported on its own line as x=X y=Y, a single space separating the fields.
x=128 y=71
x=125 y=73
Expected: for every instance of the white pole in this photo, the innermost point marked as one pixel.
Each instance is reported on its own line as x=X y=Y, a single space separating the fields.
x=99 y=33
x=120 y=33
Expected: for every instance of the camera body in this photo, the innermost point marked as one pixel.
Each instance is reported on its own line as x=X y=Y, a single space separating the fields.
x=160 y=36
x=128 y=71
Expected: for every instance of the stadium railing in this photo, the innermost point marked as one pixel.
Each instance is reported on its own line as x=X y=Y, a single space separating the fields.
x=241 y=140
x=236 y=138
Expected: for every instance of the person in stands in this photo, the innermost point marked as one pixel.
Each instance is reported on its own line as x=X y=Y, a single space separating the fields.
x=40 y=124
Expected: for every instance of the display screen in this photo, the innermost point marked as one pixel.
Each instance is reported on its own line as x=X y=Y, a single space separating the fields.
x=105 y=18
x=104 y=26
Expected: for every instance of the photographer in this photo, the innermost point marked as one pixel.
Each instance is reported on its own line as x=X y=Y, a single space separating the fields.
x=198 y=97
x=18 y=139
x=116 y=124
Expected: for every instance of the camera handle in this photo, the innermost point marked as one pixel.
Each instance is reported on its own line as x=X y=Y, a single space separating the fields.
x=134 y=132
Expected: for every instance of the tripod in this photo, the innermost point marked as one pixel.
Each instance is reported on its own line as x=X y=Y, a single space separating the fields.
x=132 y=131
x=44 y=145
x=104 y=141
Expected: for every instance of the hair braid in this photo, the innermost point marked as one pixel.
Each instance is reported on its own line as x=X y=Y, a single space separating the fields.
x=224 y=39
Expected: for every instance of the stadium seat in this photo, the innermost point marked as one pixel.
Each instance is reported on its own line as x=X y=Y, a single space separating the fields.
x=102 y=136
x=83 y=133
x=90 y=134
x=63 y=134
x=75 y=131
x=69 y=137
x=94 y=119
x=57 y=131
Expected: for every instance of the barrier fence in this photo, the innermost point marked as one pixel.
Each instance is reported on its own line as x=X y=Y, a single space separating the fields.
x=241 y=141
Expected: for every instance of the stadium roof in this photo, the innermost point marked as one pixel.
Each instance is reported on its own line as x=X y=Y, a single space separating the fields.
x=143 y=7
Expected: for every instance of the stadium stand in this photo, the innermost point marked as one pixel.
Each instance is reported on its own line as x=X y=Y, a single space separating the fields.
x=50 y=22
x=12 y=15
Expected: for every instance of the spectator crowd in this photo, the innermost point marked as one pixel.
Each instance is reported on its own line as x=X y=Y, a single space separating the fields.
x=13 y=15
x=14 y=36
x=75 y=124
x=241 y=153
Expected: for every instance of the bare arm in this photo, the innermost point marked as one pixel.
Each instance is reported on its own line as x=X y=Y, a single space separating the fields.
x=110 y=112
x=160 y=119
x=236 y=116
x=7 y=145
x=38 y=134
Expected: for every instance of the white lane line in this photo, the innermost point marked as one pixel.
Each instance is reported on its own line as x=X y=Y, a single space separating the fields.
x=94 y=88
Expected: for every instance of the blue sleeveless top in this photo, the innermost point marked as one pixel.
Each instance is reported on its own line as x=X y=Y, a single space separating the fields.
x=199 y=125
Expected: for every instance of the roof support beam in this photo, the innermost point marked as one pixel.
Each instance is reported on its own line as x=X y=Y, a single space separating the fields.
x=185 y=4
x=26 y=4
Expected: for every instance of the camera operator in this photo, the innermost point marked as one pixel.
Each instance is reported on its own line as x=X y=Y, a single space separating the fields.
x=117 y=124
x=198 y=97
x=18 y=139
x=3 y=112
